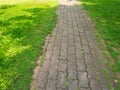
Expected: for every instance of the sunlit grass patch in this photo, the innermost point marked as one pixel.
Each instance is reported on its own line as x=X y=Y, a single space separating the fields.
x=23 y=28
x=10 y=2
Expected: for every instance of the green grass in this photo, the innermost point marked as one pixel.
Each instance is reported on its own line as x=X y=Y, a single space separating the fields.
x=106 y=15
x=23 y=28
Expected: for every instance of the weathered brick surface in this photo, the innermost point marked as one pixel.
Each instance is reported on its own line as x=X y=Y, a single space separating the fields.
x=73 y=85
x=84 y=88
x=61 y=89
x=72 y=73
x=91 y=71
x=70 y=60
x=38 y=88
x=94 y=84
x=42 y=79
x=80 y=65
x=83 y=80
x=45 y=66
x=51 y=84
x=62 y=78
x=49 y=54
x=63 y=54
x=62 y=66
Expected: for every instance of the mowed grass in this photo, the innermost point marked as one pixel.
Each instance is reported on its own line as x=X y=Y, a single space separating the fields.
x=11 y=2
x=23 y=28
x=106 y=15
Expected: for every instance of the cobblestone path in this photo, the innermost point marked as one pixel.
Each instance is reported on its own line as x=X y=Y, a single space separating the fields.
x=71 y=59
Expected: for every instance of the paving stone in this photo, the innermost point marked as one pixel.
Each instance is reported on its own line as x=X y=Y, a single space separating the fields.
x=72 y=73
x=80 y=65
x=53 y=67
x=91 y=71
x=56 y=50
x=50 y=46
x=83 y=80
x=48 y=55
x=51 y=41
x=62 y=89
x=61 y=78
x=45 y=66
x=42 y=79
x=83 y=35
x=77 y=36
x=88 y=59
x=64 y=33
x=78 y=46
x=85 y=89
x=72 y=60
x=92 y=45
x=86 y=49
x=79 y=54
x=70 y=42
x=64 y=46
x=62 y=66
x=54 y=59
x=57 y=44
x=84 y=42
x=70 y=33
x=53 y=72
x=63 y=54
x=51 y=84
x=81 y=30
x=64 y=40
x=38 y=88
x=73 y=85
x=94 y=84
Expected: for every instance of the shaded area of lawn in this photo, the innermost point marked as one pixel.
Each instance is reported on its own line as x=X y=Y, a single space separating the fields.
x=106 y=15
x=23 y=29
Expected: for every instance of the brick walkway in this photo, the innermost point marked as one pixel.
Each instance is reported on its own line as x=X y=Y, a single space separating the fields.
x=71 y=60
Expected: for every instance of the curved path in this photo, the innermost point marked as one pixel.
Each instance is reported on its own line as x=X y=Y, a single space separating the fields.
x=71 y=59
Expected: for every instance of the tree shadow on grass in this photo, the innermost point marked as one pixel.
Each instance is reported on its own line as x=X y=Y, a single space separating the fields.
x=23 y=38
x=6 y=6
x=1 y=13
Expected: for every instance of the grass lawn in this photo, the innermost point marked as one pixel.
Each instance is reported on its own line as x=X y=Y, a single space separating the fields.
x=11 y=2
x=24 y=24
x=106 y=16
